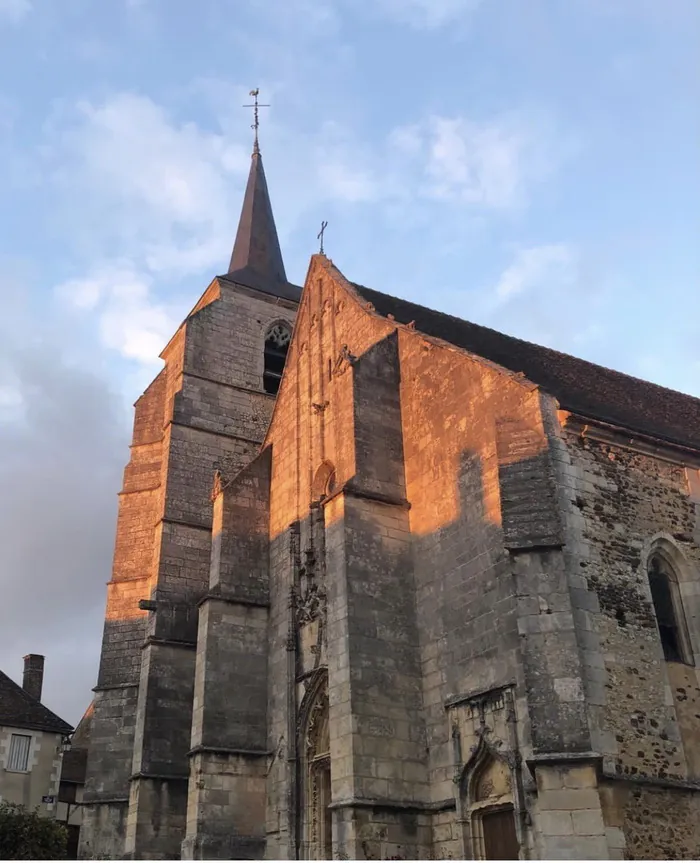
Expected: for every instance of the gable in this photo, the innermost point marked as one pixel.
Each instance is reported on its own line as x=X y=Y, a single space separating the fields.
x=579 y=386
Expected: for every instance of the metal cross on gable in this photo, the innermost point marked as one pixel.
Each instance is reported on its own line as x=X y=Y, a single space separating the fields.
x=319 y=236
x=256 y=123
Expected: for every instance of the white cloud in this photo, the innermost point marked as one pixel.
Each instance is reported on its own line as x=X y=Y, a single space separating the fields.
x=318 y=19
x=11 y=401
x=130 y=146
x=537 y=267
x=14 y=10
x=160 y=187
x=8 y=111
x=345 y=182
x=492 y=163
x=152 y=202
x=346 y=169
x=429 y=14
x=540 y=296
x=131 y=321
x=63 y=444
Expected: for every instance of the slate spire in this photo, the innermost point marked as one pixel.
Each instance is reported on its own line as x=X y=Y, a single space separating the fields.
x=257 y=259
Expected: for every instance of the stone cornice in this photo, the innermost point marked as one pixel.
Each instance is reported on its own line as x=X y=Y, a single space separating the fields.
x=629 y=439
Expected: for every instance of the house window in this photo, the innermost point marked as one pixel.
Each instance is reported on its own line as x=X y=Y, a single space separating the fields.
x=18 y=759
x=668 y=609
x=276 y=346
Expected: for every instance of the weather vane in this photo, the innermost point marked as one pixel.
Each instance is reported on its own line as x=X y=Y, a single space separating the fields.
x=319 y=236
x=256 y=123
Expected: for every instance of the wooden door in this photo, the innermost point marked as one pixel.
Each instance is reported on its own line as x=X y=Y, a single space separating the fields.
x=500 y=840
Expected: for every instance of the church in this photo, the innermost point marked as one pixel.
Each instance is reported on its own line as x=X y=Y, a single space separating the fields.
x=391 y=585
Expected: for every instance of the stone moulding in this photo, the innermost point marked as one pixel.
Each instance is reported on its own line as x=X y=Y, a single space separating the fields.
x=427 y=806
x=219 y=750
x=603 y=432
x=232 y=599
x=487 y=695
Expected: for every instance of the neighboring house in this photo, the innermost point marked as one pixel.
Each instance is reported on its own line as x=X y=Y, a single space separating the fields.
x=32 y=741
x=70 y=792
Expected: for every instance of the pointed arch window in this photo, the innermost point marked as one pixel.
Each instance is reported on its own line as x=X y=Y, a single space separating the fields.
x=668 y=608
x=276 y=346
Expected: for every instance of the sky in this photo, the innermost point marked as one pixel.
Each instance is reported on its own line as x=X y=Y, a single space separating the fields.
x=531 y=165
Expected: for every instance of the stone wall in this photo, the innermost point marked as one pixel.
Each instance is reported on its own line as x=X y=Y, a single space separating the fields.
x=648 y=823
x=206 y=411
x=218 y=417
x=41 y=779
x=110 y=755
x=311 y=433
x=465 y=592
x=624 y=497
x=228 y=759
x=493 y=595
x=446 y=586
x=569 y=821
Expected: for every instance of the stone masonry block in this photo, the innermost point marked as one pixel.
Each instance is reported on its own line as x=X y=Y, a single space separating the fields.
x=555 y=823
x=574 y=848
x=570 y=798
x=588 y=822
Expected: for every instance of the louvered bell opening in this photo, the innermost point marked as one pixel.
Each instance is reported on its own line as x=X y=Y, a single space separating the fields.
x=276 y=347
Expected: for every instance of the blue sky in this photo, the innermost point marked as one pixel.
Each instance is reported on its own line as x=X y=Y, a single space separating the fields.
x=527 y=164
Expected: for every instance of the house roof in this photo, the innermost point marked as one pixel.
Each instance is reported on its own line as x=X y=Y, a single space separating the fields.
x=20 y=710
x=579 y=386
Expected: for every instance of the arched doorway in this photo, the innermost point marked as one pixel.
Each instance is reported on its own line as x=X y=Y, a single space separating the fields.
x=317 y=828
x=489 y=809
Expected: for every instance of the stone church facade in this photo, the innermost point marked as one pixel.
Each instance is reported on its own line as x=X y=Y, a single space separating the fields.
x=434 y=592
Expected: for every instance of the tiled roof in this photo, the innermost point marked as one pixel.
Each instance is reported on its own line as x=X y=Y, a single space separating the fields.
x=20 y=710
x=579 y=386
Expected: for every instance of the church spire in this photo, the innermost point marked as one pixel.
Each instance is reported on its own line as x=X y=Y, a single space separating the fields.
x=256 y=260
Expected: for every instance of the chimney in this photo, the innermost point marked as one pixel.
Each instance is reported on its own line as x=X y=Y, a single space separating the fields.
x=33 y=678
